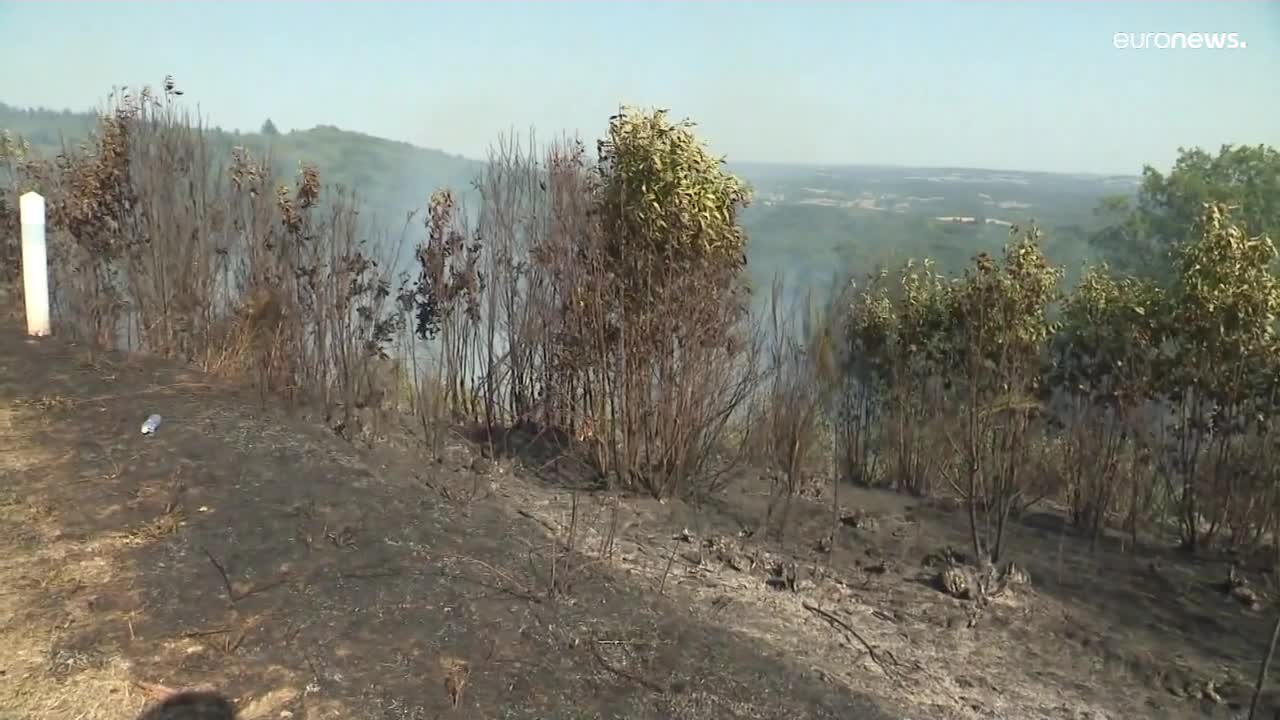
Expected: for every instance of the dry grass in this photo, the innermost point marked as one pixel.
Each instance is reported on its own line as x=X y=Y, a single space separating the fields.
x=280 y=587
x=256 y=551
x=878 y=624
x=263 y=556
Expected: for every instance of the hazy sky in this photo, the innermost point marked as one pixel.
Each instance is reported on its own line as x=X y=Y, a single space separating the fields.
x=1032 y=85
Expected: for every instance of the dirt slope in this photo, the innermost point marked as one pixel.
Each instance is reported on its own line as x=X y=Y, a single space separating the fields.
x=258 y=553
x=255 y=551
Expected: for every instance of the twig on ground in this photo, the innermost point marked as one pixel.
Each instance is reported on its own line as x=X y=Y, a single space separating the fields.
x=205 y=633
x=226 y=581
x=546 y=524
x=234 y=596
x=646 y=683
x=662 y=586
x=268 y=585
x=623 y=642
x=842 y=625
x=155 y=691
x=522 y=591
x=233 y=642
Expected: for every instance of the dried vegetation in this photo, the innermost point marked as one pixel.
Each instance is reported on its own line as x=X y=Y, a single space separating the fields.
x=598 y=306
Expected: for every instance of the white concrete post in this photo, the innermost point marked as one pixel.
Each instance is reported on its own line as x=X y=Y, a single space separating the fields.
x=35 y=264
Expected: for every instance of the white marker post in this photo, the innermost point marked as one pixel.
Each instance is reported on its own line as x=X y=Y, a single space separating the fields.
x=35 y=264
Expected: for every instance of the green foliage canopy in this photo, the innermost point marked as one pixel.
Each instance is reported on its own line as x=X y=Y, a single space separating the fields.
x=1169 y=206
x=668 y=198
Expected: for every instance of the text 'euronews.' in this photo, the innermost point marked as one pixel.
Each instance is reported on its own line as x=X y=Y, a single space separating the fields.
x=1178 y=41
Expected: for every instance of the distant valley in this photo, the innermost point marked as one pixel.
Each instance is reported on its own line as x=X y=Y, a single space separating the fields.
x=812 y=225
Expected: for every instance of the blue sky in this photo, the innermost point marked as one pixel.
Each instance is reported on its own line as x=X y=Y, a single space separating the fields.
x=1031 y=85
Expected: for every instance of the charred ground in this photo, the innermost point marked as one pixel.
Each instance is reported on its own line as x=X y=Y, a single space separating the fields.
x=243 y=549
x=252 y=550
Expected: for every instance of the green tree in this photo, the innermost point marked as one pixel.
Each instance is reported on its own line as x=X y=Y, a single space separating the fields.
x=999 y=333
x=866 y=327
x=899 y=331
x=269 y=128
x=1222 y=332
x=1142 y=234
x=668 y=296
x=1103 y=363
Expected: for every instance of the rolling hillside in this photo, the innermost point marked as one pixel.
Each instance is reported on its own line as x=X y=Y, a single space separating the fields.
x=808 y=223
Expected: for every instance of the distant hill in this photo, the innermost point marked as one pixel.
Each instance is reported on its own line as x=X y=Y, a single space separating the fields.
x=809 y=223
x=391 y=177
